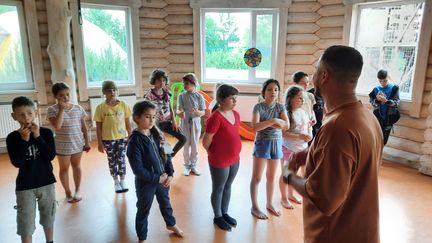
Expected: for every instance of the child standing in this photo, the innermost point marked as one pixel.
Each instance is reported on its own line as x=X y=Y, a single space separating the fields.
x=269 y=118
x=112 y=129
x=161 y=97
x=153 y=171
x=191 y=107
x=71 y=137
x=295 y=139
x=223 y=145
x=31 y=149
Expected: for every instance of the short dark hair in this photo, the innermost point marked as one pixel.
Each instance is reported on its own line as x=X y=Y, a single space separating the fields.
x=157 y=74
x=57 y=87
x=267 y=83
x=139 y=108
x=224 y=91
x=297 y=76
x=22 y=101
x=345 y=63
x=109 y=84
x=382 y=74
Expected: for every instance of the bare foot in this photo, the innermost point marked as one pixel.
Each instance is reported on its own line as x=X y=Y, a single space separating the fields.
x=141 y=241
x=295 y=199
x=176 y=230
x=273 y=210
x=258 y=214
x=286 y=204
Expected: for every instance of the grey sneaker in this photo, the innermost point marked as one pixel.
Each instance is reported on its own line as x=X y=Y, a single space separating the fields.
x=123 y=186
x=117 y=187
x=186 y=171
x=195 y=171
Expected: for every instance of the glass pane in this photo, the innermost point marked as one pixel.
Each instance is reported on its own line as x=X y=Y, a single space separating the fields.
x=105 y=45
x=227 y=37
x=388 y=38
x=12 y=64
x=264 y=34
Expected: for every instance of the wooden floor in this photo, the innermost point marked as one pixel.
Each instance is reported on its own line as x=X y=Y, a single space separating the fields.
x=104 y=216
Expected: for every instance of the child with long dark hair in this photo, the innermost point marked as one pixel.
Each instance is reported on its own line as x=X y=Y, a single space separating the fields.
x=153 y=169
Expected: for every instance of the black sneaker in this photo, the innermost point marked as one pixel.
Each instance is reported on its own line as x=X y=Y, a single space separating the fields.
x=222 y=224
x=229 y=220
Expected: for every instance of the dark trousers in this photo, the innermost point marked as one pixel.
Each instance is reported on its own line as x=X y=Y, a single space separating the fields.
x=386 y=129
x=145 y=193
x=167 y=127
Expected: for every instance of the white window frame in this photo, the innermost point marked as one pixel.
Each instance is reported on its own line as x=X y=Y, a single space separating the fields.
x=280 y=46
x=413 y=106
x=86 y=91
x=252 y=71
x=29 y=30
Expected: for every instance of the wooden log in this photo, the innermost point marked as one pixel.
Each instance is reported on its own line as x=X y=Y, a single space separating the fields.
x=332 y=21
x=427 y=148
x=330 y=2
x=427 y=98
x=302 y=28
x=299 y=59
x=154 y=53
x=154 y=3
x=408 y=133
x=178 y=9
x=318 y=53
x=179 y=39
x=307 y=7
x=401 y=157
x=180 y=68
x=405 y=145
x=324 y=43
x=40 y=6
x=179 y=19
x=428 y=123
x=301 y=38
x=180 y=58
x=145 y=73
x=426 y=165
x=330 y=33
x=428 y=85
x=177 y=1
x=43 y=29
x=179 y=29
x=303 y=17
x=180 y=49
x=42 y=17
x=429 y=71
x=301 y=49
x=149 y=23
x=424 y=111
x=290 y=69
x=154 y=13
x=428 y=134
x=430 y=57
x=332 y=10
x=153 y=43
x=176 y=77
x=154 y=62
x=153 y=33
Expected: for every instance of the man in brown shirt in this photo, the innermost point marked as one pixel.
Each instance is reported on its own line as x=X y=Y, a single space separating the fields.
x=340 y=188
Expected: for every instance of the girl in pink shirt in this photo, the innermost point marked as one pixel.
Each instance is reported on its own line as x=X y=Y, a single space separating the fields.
x=223 y=145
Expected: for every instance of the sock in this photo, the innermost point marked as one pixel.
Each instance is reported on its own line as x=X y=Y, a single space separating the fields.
x=221 y=223
x=229 y=219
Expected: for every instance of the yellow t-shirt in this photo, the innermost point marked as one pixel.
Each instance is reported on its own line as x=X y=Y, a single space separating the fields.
x=113 y=120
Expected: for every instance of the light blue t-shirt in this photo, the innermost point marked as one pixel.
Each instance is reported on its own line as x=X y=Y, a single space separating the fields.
x=265 y=113
x=188 y=101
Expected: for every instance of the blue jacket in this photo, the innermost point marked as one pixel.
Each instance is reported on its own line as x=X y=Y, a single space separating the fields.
x=143 y=153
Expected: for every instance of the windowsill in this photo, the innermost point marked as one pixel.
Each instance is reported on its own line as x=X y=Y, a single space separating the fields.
x=8 y=96
x=242 y=88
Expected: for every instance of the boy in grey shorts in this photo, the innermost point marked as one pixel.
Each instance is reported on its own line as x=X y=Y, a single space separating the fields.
x=31 y=149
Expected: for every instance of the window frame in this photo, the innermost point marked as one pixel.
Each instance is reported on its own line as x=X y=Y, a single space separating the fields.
x=280 y=47
x=414 y=106
x=86 y=91
x=30 y=37
x=251 y=71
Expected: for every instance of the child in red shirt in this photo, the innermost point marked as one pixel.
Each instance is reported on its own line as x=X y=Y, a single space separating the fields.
x=223 y=145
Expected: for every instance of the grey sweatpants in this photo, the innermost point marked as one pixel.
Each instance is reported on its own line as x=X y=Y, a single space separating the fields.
x=222 y=178
x=191 y=128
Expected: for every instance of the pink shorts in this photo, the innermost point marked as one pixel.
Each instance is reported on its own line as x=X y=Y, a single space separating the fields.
x=287 y=154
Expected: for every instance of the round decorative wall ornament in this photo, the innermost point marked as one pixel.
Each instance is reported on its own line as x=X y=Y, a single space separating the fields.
x=252 y=57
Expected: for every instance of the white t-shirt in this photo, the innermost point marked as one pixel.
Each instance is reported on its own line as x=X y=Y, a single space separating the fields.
x=301 y=126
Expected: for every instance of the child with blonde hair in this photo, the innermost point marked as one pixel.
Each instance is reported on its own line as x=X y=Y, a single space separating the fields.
x=112 y=130
x=191 y=108
x=71 y=137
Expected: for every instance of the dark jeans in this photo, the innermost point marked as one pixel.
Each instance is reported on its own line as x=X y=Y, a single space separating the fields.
x=167 y=127
x=145 y=193
x=386 y=129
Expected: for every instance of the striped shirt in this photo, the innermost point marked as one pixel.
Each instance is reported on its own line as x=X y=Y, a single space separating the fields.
x=69 y=139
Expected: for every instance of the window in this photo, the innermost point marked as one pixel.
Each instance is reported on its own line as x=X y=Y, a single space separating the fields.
x=387 y=35
x=15 y=68
x=227 y=34
x=106 y=33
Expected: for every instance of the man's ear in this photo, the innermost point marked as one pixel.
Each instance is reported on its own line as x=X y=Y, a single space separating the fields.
x=325 y=75
x=13 y=116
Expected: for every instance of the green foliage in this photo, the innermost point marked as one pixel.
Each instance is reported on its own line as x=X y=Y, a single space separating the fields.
x=12 y=68
x=105 y=65
x=6 y=8
x=106 y=22
x=218 y=36
x=225 y=60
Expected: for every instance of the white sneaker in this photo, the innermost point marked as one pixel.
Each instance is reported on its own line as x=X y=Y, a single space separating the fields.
x=186 y=171
x=117 y=187
x=123 y=186
x=195 y=171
